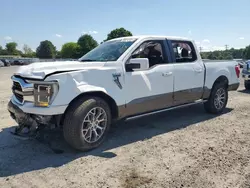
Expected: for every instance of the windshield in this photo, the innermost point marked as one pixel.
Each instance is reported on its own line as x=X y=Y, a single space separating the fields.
x=108 y=51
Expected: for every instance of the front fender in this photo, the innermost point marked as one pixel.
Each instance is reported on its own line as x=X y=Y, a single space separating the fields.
x=71 y=85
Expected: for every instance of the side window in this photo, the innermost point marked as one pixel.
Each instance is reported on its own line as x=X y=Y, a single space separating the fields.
x=153 y=50
x=184 y=51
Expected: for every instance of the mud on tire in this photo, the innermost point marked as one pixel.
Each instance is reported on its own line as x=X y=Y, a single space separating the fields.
x=80 y=123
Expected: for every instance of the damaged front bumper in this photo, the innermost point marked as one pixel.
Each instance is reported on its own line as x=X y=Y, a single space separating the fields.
x=28 y=124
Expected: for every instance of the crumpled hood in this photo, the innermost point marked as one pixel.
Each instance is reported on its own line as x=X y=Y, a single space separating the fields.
x=40 y=70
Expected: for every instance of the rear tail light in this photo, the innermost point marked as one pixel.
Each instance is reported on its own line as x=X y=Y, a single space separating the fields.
x=237 y=70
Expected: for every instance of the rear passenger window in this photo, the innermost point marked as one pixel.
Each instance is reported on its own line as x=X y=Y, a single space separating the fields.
x=184 y=51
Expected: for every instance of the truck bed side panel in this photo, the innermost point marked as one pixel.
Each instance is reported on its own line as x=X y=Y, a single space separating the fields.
x=215 y=69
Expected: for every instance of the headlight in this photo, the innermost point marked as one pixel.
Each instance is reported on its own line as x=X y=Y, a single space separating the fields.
x=44 y=93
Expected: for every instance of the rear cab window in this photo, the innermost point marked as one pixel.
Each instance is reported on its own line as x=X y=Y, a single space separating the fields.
x=184 y=51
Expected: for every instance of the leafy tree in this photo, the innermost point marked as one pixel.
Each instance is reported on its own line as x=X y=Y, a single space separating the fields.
x=11 y=48
x=1 y=50
x=228 y=56
x=86 y=43
x=27 y=51
x=119 y=32
x=58 y=54
x=71 y=50
x=224 y=54
x=46 y=50
x=211 y=56
x=247 y=52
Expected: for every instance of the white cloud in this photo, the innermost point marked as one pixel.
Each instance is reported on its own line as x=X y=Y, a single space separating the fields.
x=209 y=48
x=197 y=43
x=58 y=35
x=206 y=41
x=89 y=32
x=94 y=32
x=190 y=32
x=241 y=38
x=218 y=48
x=7 y=38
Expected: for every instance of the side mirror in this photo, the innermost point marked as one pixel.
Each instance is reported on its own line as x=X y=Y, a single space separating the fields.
x=137 y=64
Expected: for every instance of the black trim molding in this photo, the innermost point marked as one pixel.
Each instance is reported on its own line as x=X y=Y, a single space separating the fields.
x=162 y=101
x=233 y=87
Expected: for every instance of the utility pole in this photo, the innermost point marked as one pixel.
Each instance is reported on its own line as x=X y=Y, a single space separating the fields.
x=200 y=48
x=226 y=46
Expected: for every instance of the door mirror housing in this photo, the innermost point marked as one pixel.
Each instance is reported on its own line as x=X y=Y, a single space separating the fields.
x=137 y=64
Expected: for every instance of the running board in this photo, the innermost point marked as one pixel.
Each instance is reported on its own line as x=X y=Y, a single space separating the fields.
x=164 y=110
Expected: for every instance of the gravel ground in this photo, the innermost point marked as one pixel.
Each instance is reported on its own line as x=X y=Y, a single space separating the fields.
x=181 y=148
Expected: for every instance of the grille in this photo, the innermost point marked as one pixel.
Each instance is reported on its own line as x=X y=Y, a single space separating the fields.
x=17 y=87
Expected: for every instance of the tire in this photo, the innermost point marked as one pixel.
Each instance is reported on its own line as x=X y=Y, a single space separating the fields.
x=210 y=106
x=247 y=85
x=74 y=129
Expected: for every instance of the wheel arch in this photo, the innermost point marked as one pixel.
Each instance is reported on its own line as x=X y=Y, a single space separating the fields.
x=221 y=79
x=111 y=102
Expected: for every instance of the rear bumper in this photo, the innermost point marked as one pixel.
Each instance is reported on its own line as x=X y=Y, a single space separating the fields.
x=233 y=87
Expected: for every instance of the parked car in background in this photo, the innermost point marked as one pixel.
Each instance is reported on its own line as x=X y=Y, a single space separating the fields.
x=241 y=64
x=1 y=64
x=18 y=62
x=6 y=62
x=246 y=74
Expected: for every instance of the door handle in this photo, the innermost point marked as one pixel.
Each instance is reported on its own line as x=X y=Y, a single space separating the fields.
x=198 y=70
x=167 y=74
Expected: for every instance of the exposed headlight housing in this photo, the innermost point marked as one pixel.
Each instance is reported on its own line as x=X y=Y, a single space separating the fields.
x=40 y=93
x=44 y=93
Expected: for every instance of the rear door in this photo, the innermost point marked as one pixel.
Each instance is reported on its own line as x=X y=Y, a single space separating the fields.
x=189 y=72
x=152 y=89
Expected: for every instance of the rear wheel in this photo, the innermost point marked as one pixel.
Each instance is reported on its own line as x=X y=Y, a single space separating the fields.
x=218 y=99
x=87 y=123
x=247 y=85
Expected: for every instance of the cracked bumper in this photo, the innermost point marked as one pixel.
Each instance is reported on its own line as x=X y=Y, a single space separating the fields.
x=18 y=115
x=29 y=108
x=28 y=119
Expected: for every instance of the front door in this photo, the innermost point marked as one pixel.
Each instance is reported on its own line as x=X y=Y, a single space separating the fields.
x=189 y=73
x=152 y=89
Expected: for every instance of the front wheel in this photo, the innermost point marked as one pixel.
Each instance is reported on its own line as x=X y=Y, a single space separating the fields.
x=87 y=123
x=217 y=100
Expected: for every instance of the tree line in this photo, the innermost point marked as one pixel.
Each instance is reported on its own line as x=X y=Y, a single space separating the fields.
x=75 y=50
x=243 y=53
x=85 y=43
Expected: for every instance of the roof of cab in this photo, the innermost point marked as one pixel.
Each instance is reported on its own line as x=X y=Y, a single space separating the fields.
x=153 y=36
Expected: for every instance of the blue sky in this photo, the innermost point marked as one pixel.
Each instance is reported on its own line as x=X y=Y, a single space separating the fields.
x=212 y=23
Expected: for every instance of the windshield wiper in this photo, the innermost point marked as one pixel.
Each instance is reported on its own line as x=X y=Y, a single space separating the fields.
x=89 y=60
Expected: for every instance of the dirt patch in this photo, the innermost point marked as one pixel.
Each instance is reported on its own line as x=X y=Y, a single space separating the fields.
x=182 y=148
x=133 y=179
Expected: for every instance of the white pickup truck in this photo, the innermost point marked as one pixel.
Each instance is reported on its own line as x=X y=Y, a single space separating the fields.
x=123 y=78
